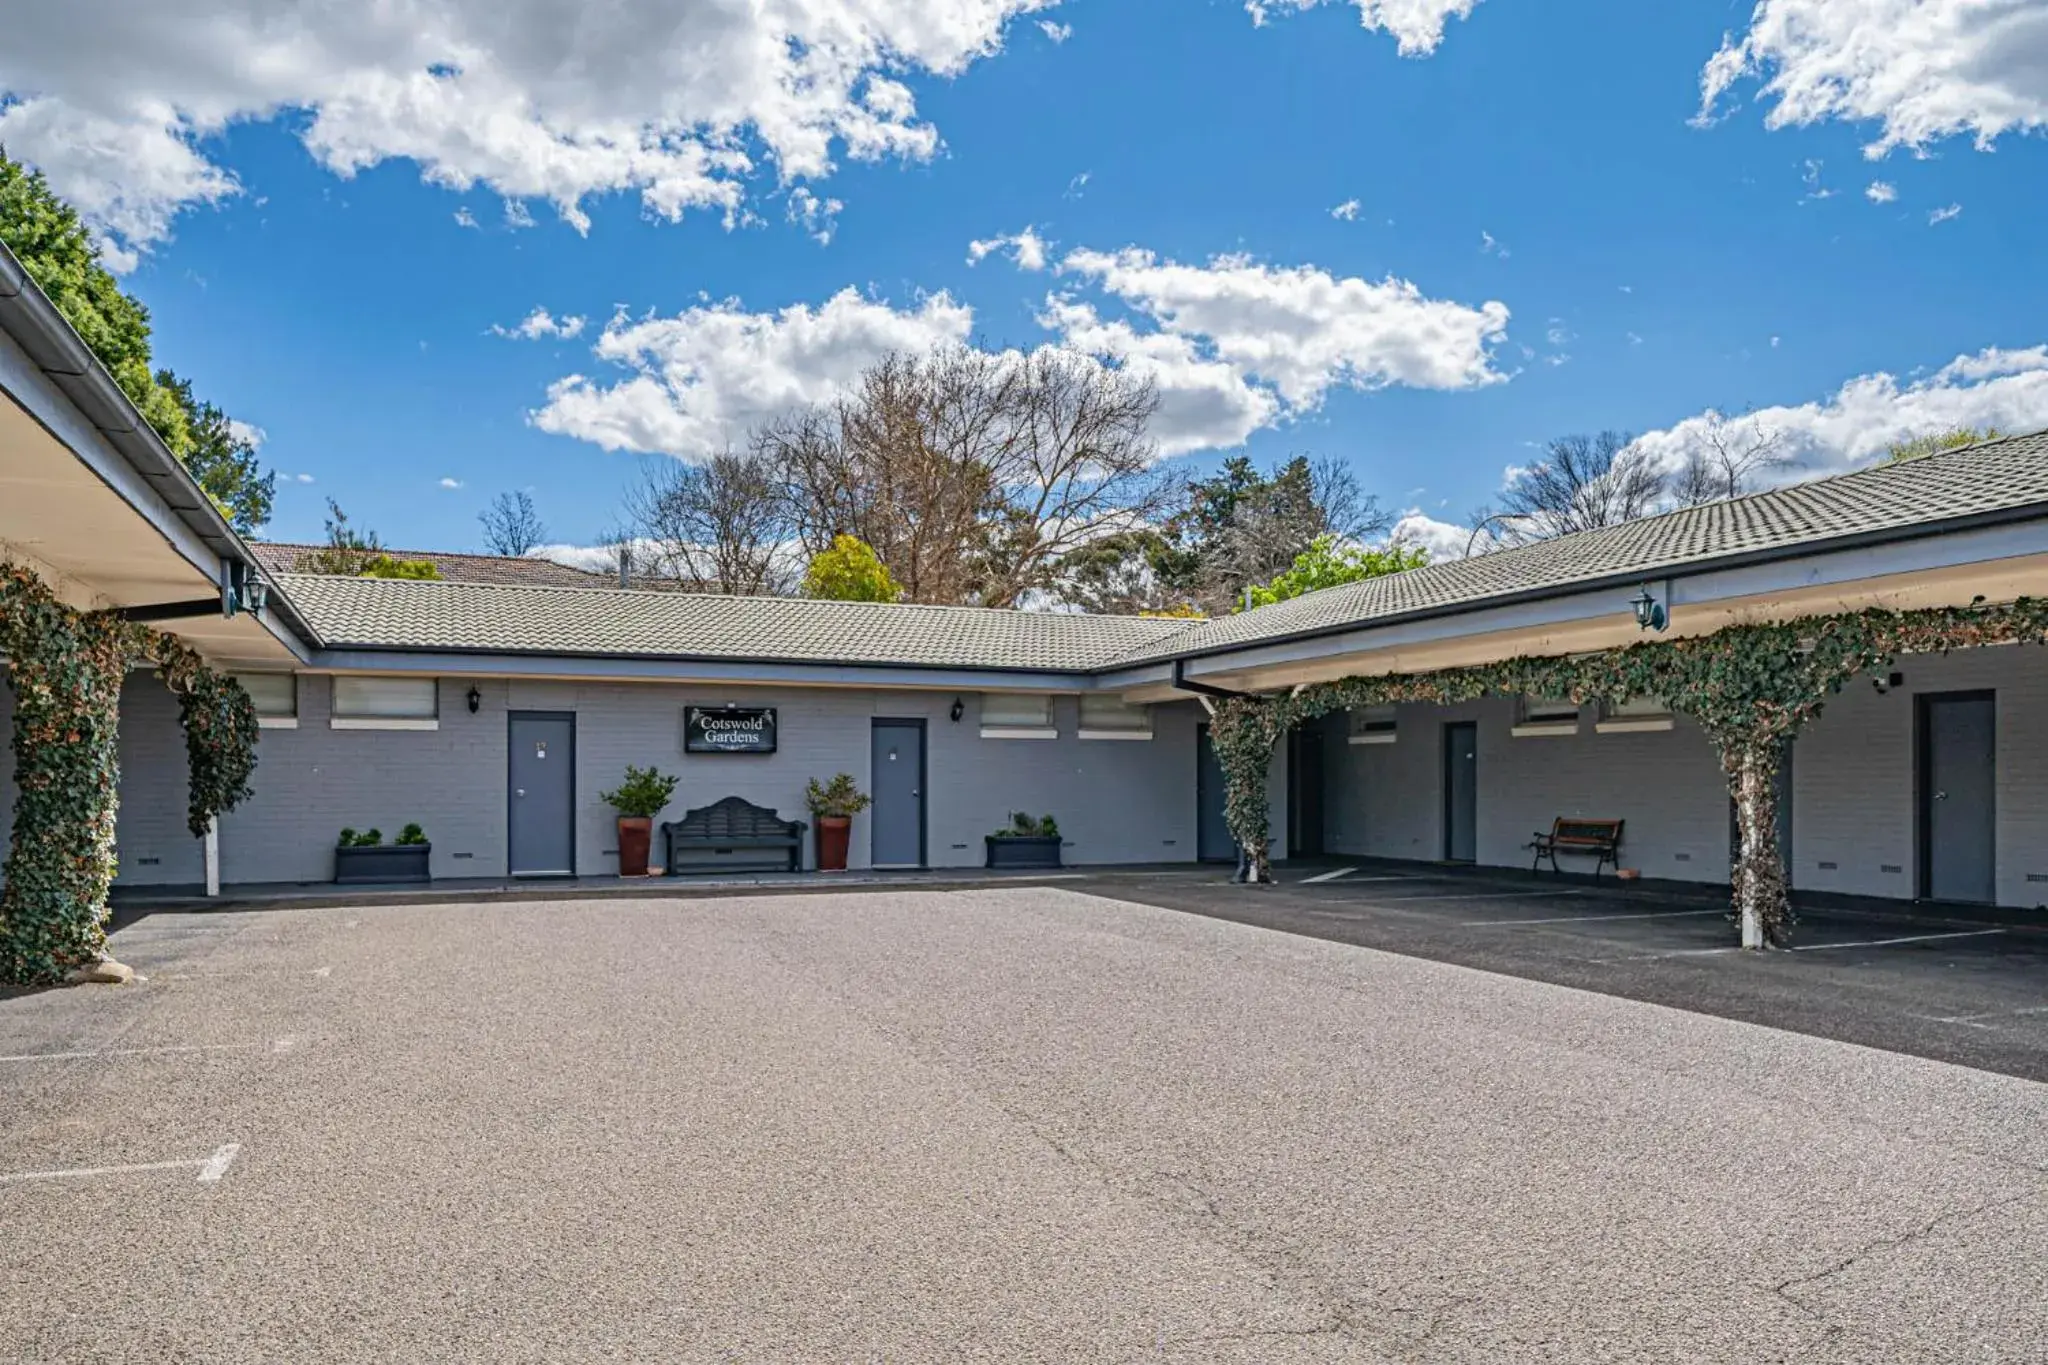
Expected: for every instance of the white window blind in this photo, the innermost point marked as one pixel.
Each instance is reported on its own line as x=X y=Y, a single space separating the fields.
x=1539 y=710
x=1013 y=715
x=390 y=702
x=1637 y=713
x=1373 y=725
x=1110 y=717
x=276 y=694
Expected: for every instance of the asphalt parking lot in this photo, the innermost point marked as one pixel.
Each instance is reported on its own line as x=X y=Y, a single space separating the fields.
x=990 y=1124
x=1893 y=977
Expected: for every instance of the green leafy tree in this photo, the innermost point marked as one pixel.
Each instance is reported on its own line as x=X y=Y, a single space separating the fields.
x=850 y=571
x=1329 y=563
x=1953 y=439
x=388 y=566
x=56 y=249
x=222 y=460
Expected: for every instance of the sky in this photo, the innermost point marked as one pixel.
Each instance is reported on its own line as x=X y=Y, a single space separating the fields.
x=447 y=248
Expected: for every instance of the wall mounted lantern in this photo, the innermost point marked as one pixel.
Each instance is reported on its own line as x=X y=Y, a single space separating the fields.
x=476 y=699
x=959 y=710
x=1649 y=611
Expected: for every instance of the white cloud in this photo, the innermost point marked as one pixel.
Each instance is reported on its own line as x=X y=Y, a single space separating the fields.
x=464 y=218
x=2007 y=389
x=702 y=378
x=819 y=217
x=450 y=483
x=1418 y=25
x=1490 y=245
x=1059 y=33
x=1442 y=539
x=1232 y=347
x=255 y=436
x=1300 y=329
x=1026 y=248
x=302 y=478
x=679 y=101
x=1078 y=184
x=1881 y=192
x=517 y=215
x=1634 y=339
x=1922 y=69
x=1347 y=211
x=1810 y=177
x=541 y=324
x=1939 y=216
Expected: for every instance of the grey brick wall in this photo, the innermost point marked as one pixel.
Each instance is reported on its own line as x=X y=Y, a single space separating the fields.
x=1853 y=785
x=1116 y=801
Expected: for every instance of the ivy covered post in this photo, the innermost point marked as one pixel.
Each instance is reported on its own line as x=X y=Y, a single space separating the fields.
x=66 y=668
x=1244 y=732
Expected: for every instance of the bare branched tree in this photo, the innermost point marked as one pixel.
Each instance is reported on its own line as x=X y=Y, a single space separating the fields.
x=1728 y=460
x=719 y=526
x=970 y=473
x=511 y=524
x=1581 y=483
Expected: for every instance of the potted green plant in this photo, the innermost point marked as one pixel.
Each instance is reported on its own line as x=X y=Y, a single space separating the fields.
x=833 y=805
x=365 y=857
x=642 y=796
x=1025 y=843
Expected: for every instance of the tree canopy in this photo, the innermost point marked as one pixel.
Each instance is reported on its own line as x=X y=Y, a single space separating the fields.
x=57 y=250
x=1953 y=439
x=849 y=570
x=1328 y=563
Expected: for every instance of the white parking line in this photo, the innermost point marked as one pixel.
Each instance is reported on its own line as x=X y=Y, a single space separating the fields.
x=211 y=1168
x=1482 y=896
x=1887 y=942
x=1971 y=1019
x=277 y=1045
x=1594 y=919
x=1328 y=876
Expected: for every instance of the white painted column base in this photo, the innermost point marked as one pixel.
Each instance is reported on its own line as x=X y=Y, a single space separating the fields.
x=213 y=857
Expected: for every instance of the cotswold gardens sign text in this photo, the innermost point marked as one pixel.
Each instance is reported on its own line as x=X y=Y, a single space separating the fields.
x=729 y=730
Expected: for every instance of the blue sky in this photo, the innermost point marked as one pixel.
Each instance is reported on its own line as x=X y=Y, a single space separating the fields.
x=1545 y=239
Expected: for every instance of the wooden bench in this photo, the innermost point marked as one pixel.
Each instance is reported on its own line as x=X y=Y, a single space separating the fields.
x=1599 y=838
x=716 y=832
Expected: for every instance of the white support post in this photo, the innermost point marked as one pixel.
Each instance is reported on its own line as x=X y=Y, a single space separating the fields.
x=213 y=857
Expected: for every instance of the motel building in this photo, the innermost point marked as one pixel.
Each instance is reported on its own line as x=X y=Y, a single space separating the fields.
x=494 y=708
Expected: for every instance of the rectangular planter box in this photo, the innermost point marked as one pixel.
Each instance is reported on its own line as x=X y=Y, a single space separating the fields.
x=382 y=863
x=1032 y=852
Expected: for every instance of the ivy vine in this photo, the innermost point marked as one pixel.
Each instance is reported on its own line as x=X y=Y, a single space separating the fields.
x=1750 y=687
x=66 y=668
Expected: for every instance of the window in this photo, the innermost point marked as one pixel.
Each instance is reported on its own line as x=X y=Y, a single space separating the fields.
x=1008 y=715
x=1637 y=713
x=1547 y=716
x=386 y=704
x=1373 y=725
x=276 y=696
x=1110 y=717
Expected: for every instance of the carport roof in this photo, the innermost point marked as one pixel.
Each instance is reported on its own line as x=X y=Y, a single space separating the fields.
x=403 y=614
x=1920 y=497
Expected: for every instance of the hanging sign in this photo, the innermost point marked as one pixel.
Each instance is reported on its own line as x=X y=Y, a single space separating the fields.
x=728 y=729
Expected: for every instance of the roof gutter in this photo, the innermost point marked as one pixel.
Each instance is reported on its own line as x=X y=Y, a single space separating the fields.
x=1775 y=554
x=1182 y=683
x=28 y=316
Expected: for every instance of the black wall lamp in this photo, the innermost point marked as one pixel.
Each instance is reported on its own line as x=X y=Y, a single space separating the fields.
x=1649 y=611
x=959 y=710
x=476 y=699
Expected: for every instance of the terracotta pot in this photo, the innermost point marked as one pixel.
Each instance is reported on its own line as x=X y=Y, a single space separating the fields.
x=834 y=833
x=635 y=833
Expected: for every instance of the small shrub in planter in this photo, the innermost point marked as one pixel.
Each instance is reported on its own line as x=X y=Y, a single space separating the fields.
x=365 y=857
x=833 y=805
x=1025 y=843
x=643 y=795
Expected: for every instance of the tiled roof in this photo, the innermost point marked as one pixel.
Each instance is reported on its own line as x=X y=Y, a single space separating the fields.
x=406 y=614
x=1989 y=477
x=279 y=557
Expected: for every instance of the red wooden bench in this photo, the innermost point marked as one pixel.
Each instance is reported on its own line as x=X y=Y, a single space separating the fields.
x=1599 y=839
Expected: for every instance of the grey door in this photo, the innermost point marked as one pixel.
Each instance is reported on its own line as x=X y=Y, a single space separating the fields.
x=896 y=821
x=1958 y=796
x=1305 y=791
x=1213 y=843
x=542 y=770
x=1461 y=792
